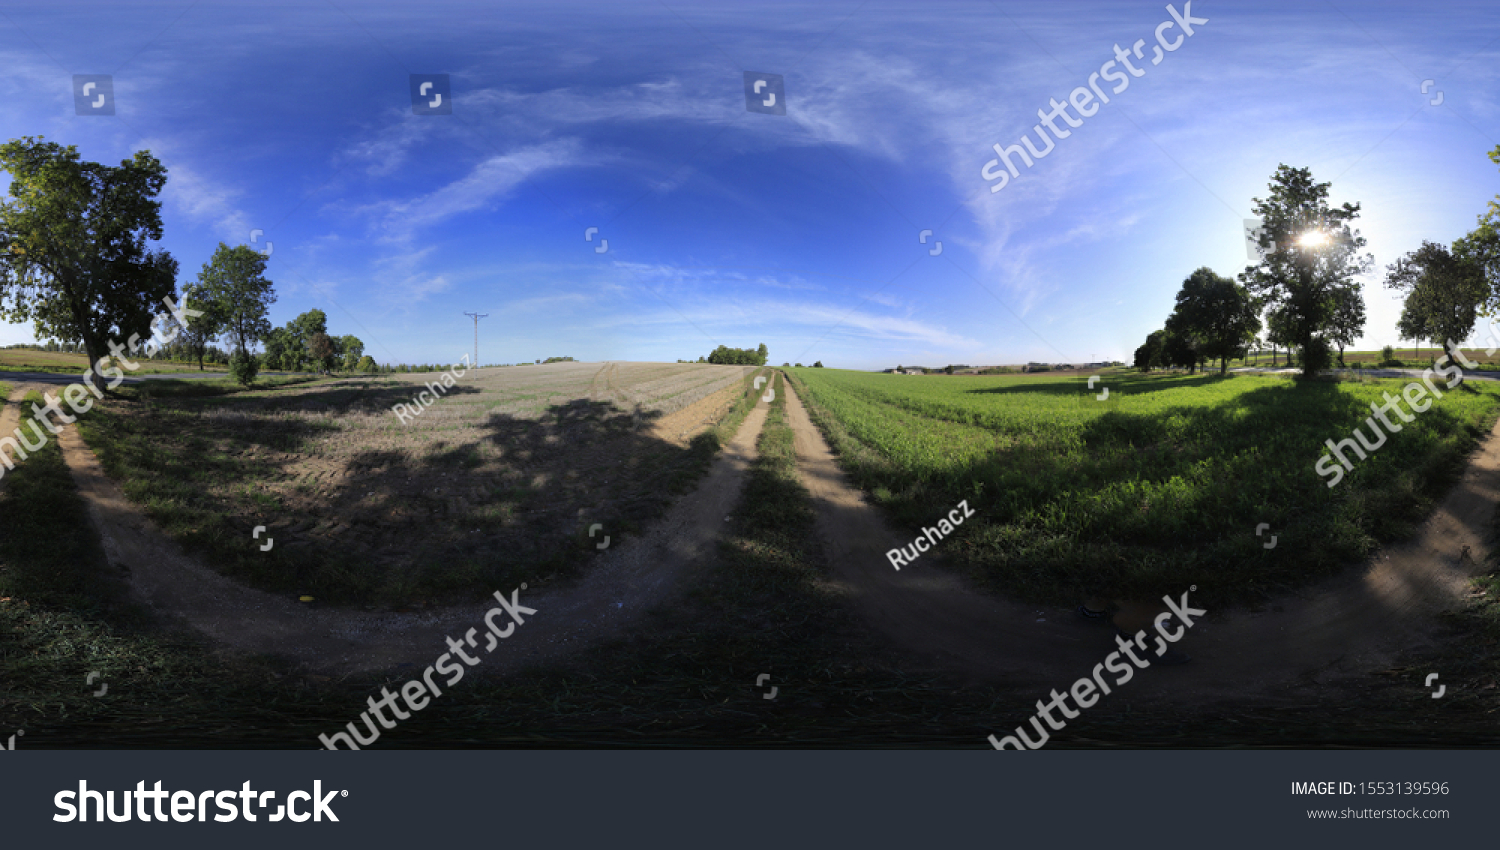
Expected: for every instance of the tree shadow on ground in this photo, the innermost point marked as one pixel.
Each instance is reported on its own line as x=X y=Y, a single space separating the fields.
x=424 y=522
x=1142 y=503
x=1118 y=383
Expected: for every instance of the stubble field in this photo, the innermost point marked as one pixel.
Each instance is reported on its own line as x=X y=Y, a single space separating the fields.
x=495 y=483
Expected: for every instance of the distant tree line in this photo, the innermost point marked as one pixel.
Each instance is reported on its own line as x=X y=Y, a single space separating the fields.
x=726 y=356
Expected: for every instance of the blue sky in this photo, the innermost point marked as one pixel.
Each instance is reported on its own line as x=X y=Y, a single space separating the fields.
x=731 y=227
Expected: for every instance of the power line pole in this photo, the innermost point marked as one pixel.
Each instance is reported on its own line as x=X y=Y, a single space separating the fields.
x=477 y=317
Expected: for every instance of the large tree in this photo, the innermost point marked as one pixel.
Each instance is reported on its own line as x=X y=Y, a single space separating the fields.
x=324 y=352
x=1315 y=255
x=300 y=333
x=308 y=325
x=1348 y=318
x=352 y=349
x=1182 y=349
x=1217 y=313
x=1444 y=293
x=282 y=350
x=196 y=334
x=233 y=280
x=74 y=258
x=1278 y=334
x=1151 y=355
x=1481 y=248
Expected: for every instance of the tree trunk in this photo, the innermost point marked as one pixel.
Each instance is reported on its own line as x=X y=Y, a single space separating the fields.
x=91 y=377
x=96 y=348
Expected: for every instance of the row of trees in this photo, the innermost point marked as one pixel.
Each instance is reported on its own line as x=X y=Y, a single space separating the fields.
x=233 y=296
x=1305 y=285
x=76 y=261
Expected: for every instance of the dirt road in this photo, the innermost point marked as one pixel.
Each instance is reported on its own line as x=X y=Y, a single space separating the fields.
x=1346 y=626
x=621 y=585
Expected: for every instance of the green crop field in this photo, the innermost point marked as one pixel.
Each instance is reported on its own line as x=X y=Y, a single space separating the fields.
x=1159 y=486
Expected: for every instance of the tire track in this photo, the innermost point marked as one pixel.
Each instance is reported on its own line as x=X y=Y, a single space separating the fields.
x=620 y=586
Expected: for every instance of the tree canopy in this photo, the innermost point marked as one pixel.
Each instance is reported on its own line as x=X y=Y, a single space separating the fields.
x=74 y=254
x=233 y=280
x=1214 y=317
x=739 y=356
x=1444 y=293
x=1315 y=255
x=197 y=334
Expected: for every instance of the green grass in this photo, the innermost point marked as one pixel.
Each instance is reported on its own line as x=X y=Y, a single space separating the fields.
x=1158 y=487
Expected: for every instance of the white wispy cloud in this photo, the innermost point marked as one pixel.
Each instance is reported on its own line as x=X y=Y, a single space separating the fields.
x=487 y=182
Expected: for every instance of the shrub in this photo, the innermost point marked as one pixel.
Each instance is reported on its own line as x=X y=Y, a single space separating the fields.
x=1387 y=353
x=1317 y=354
x=243 y=368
